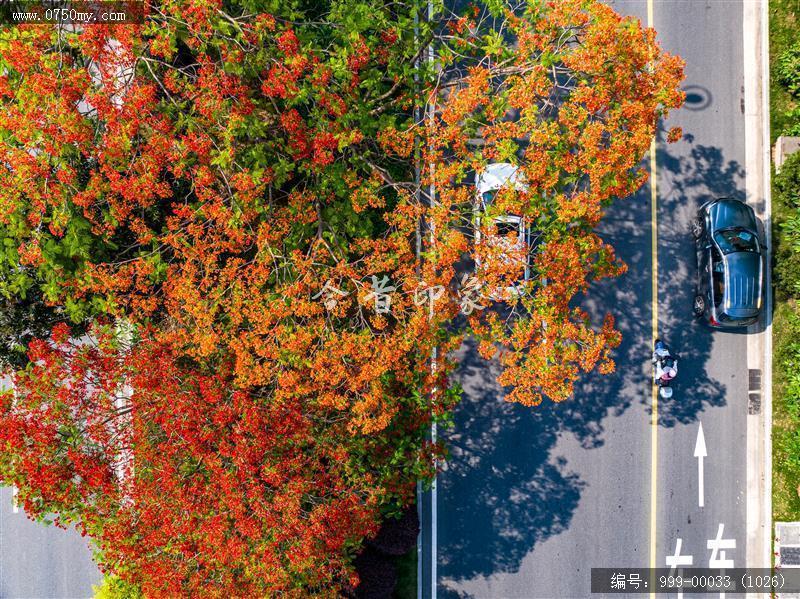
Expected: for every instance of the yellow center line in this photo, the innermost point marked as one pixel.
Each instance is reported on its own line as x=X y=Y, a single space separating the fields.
x=654 y=289
x=654 y=414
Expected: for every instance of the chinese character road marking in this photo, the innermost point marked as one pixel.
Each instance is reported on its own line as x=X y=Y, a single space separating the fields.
x=678 y=561
x=718 y=546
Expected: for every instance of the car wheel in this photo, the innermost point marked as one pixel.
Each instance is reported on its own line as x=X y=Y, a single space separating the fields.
x=699 y=305
x=697 y=228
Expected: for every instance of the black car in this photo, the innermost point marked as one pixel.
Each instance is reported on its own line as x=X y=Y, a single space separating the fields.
x=730 y=264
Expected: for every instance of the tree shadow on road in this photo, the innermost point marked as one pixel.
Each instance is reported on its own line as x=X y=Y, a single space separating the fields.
x=504 y=489
x=691 y=175
x=511 y=495
x=513 y=491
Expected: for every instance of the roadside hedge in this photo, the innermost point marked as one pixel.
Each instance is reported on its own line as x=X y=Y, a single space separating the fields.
x=786 y=411
x=785 y=120
x=787 y=69
x=786 y=250
x=784 y=53
x=786 y=335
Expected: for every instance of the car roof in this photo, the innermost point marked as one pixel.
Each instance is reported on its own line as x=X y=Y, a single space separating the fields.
x=508 y=218
x=497 y=175
x=743 y=278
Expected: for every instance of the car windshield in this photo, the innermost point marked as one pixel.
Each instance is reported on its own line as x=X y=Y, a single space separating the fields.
x=736 y=240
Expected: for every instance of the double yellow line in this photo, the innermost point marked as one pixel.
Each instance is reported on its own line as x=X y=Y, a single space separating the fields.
x=654 y=290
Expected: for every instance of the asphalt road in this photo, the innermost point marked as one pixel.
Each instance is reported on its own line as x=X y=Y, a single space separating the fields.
x=533 y=498
x=39 y=561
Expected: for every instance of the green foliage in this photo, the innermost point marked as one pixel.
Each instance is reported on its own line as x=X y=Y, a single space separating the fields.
x=787 y=69
x=113 y=587
x=784 y=68
x=785 y=120
x=786 y=192
x=792 y=128
x=64 y=242
x=787 y=266
x=786 y=412
x=787 y=183
x=787 y=450
x=21 y=320
x=788 y=355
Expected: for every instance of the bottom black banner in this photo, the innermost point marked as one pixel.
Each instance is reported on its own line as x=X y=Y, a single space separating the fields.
x=695 y=580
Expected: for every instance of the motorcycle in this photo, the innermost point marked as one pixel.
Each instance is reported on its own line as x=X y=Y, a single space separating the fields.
x=665 y=368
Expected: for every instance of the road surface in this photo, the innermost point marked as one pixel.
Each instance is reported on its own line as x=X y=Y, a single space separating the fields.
x=533 y=498
x=39 y=561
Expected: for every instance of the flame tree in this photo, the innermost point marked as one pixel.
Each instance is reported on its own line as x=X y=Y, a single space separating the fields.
x=276 y=198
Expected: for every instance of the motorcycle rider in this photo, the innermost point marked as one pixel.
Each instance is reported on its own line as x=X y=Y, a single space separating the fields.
x=666 y=365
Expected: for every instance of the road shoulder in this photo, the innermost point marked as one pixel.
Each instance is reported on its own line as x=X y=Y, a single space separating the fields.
x=759 y=346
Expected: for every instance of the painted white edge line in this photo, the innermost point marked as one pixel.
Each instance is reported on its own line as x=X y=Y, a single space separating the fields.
x=766 y=380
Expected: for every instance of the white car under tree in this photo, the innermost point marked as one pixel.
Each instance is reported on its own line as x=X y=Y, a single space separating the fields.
x=503 y=241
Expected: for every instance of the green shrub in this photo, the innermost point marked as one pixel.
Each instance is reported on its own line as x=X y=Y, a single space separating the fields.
x=789 y=357
x=787 y=69
x=786 y=184
x=786 y=245
x=786 y=412
x=792 y=122
x=787 y=273
x=787 y=454
x=787 y=258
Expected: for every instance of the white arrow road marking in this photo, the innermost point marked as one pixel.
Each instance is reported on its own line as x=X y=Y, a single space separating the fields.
x=700 y=452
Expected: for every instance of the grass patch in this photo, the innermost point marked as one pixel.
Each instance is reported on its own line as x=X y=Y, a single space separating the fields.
x=784 y=23
x=785 y=420
x=784 y=51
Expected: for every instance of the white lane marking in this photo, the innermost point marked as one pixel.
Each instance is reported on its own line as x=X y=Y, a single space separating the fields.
x=700 y=453
x=434 y=356
x=14 y=503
